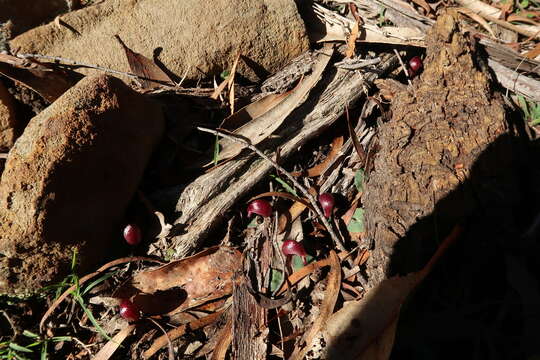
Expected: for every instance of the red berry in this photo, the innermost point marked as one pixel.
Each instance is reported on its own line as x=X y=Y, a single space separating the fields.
x=291 y=247
x=129 y=311
x=327 y=203
x=259 y=207
x=132 y=234
x=415 y=63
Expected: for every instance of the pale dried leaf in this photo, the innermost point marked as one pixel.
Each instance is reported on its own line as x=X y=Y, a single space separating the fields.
x=112 y=345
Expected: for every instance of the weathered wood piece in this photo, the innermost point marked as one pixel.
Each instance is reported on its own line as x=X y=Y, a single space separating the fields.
x=203 y=203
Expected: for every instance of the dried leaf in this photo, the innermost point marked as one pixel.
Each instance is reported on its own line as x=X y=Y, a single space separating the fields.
x=477 y=18
x=112 y=345
x=357 y=145
x=225 y=339
x=351 y=40
x=423 y=4
x=523 y=19
x=252 y=111
x=228 y=81
x=204 y=276
x=152 y=76
x=42 y=78
x=351 y=330
x=282 y=195
x=327 y=308
x=318 y=169
x=180 y=331
x=532 y=54
x=294 y=212
x=263 y=126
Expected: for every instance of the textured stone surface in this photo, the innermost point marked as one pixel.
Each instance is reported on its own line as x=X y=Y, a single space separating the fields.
x=8 y=121
x=198 y=38
x=27 y=14
x=69 y=178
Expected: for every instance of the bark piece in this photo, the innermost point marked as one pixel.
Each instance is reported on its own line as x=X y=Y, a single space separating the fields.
x=69 y=178
x=8 y=121
x=436 y=141
x=197 y=38
x=204 y=202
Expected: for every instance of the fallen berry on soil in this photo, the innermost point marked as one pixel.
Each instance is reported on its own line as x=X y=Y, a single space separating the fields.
x=327 y=203
x=129 y=311
x=132 y=234
x=259 y=207
x=291 y=247
x=415 y=63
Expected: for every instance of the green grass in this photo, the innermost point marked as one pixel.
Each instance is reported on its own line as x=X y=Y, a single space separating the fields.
x=531 y=110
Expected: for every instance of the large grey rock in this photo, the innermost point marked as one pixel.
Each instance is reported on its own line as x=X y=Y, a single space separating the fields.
x=69 y=178
x=198 y=38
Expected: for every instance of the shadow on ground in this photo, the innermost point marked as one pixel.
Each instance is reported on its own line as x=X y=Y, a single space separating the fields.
x=482 y=299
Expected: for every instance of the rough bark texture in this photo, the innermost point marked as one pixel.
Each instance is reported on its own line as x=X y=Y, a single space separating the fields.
x=69 y=178
x=445 y=155
x=249 y=329
x=197 y=38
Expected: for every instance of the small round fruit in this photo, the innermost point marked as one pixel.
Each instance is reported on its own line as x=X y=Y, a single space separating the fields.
x=291 y=247
x=327 y=203
x=132 y=234
x=260 y=207
x=415 y=63
x=129 y=311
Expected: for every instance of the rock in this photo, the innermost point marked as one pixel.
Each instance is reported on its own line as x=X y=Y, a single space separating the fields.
x=26 y=14
x=197 y=38
x=8 y=121
x=69 y=178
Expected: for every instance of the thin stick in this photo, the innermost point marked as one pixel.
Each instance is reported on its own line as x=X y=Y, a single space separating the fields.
x=76 y=63
x=403 y=67
x=299 y=186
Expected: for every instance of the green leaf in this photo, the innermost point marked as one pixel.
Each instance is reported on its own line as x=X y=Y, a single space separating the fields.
x=92 y=318
x=98 y=281
x=30 y=334
x=216 y=151
x=357 y=222
x=298 y=263
x=224 y=74
x=44 y=351
x=286 y=186
x=253 y=223
x=359 y=180
x=276 y=278
x=20 y=348
x=523 y=105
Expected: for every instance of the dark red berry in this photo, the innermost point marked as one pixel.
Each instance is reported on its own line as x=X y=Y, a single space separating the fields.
x=327 y=203
x=291 y=247
x=132 y=234
x=129 y=311
x=415 y=63
x=260 y=207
